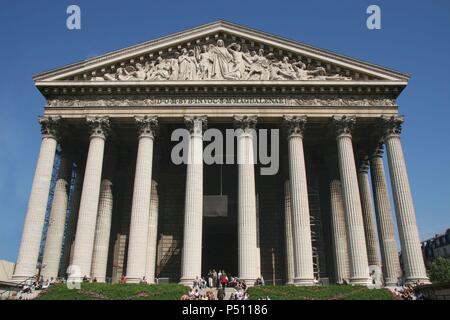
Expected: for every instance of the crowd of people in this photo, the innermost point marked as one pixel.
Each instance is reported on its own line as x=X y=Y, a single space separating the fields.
x=208 y=294
x=220 y=279
x=37 y=283
x=202 y=287
x=408 y=292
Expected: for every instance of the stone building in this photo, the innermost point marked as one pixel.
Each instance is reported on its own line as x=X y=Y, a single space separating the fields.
x=121 y=206
x=437 y=246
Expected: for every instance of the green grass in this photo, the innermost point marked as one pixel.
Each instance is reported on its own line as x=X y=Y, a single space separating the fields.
x=332 y=292
x=102 y=291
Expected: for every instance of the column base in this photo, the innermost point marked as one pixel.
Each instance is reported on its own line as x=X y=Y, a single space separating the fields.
x=421 y=280
x=291 y=282
x=361 y=281
x=250 y=282
x=303 y=282
x=390 y=283
x=134 y=280
x=187 y=281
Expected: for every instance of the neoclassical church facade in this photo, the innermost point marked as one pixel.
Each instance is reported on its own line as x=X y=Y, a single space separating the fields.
x=122 y=207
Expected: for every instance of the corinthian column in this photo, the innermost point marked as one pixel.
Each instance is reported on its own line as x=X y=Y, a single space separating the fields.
x=72 y=221
x=414 y=266
x=368 y=213
x=137 y=247
x=338 y=229
x=383 y=210
x=104 y=218
x=247 y=237
x=191 y=258
x=37 y=203
x=152 y=234
x=359 y=268
x=55 y=232
x=290 y=267
x=301 y=227
x=87 y=216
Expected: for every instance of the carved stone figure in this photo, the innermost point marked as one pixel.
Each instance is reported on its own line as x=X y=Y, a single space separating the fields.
x=259 y=68
x=238 y=64
x=188 y=65
x=221 y=59
x=274 y=68
x=286 y=70
x=125 y=73
x=219 y=62
x=140 y=73
x=174 y=66
x=204 y=63
x=160 y=70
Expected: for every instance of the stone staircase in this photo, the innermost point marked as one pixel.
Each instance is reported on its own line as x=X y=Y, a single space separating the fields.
x=228 y=292
x=12 y=290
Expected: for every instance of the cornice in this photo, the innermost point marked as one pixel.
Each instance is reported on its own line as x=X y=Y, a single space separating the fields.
x=83 y=88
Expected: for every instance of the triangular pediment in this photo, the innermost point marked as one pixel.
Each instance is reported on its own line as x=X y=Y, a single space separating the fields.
x=220 y=51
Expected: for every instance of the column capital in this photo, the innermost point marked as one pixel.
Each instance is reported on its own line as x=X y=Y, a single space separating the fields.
x=378 y=150
x=245 y=122
x=99 y=126
x=391 y=126
x=343 y=125
x=363 y=165
x=196 y=124
x=295 y=125
x=50 y=126
x=147 y=126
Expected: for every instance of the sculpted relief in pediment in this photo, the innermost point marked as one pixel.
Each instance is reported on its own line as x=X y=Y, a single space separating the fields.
x=218 y=61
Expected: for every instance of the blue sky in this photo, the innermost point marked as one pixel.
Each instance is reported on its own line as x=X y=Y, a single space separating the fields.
x=414 y=39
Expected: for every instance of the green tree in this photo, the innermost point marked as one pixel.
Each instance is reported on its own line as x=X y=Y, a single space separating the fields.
x=439 y=270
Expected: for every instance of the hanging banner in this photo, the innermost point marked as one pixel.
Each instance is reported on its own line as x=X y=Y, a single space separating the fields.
x=215 y=206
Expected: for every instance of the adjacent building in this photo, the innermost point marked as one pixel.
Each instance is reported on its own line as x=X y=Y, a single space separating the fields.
x=438 y=246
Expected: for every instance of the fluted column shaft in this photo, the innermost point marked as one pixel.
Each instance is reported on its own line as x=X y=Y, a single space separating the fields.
x=137 y=247
x=414 y=266
x=301 y=226
x=58 y=213
x=289 y=238
x=152 y=238
x=258 y=247
x=103 y=229
x=69 y=236
x=359 y=268
x=383 y=210
x=339 y=232
x=368 y=214
x=247 y=232
x=191 y=259
x=87 y=216
x=37 y=203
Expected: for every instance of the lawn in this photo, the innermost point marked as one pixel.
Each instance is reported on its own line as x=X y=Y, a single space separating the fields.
x=331 y=292
x=102 y=291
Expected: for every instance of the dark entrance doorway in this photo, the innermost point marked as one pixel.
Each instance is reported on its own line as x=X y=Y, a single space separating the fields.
x=220 y=241
x=219 y=246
